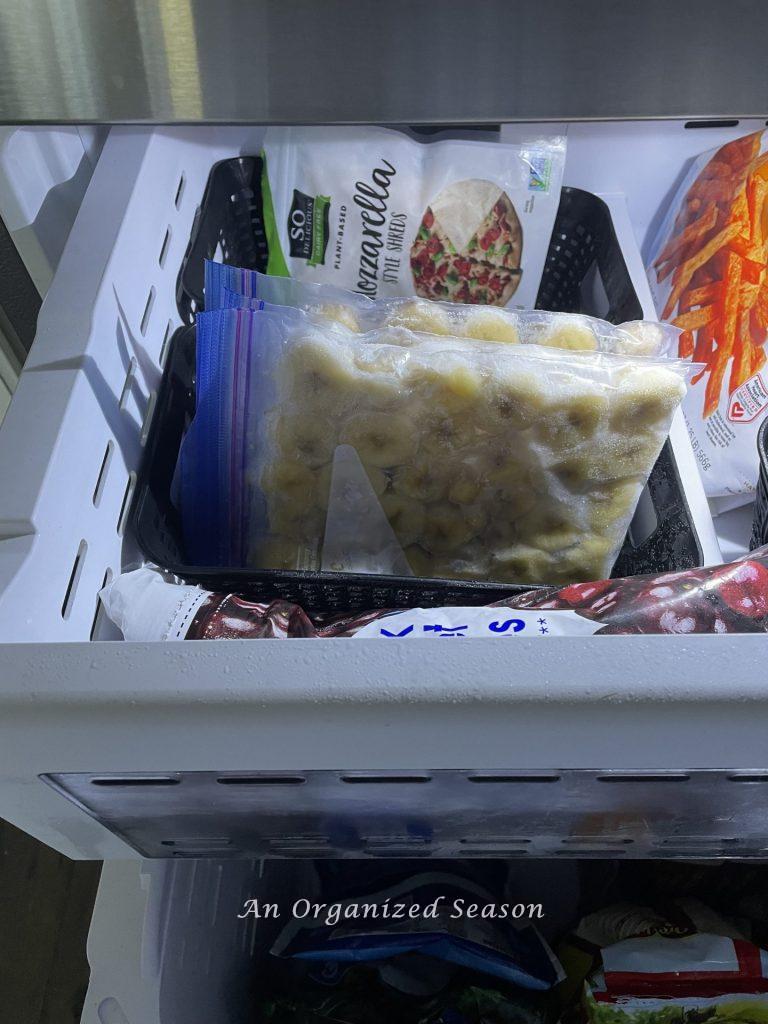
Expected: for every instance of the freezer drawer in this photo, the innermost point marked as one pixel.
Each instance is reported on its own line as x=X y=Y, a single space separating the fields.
x=74 y=705
x=166 y=945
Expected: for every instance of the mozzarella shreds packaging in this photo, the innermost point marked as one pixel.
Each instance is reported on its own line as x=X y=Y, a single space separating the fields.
x=229 y=287
x=374 y=211
x=147 y=605
x=708 y=270
x=402 y=453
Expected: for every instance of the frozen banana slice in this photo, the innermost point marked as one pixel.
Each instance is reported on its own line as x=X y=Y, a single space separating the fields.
x=458 y=388
x=406 y=517
x=448 y=528
x=420 y=562
x=289 y=480
x=303 y=438
x=423 y=480
x=589 y=560
x=614 y=503
x=576 y=473
x=568 y=331
x=440 y=436
x=507 y=473
x=549 y=529
x=572 y=419
x=278 y=553
x=303 y=522
x=313 y=365
x=380 y=439
x=513 y=401
x=620 y=456
x=424 y=317
x=520 y=563
x=645 y=397
x=465 y=484
x=375 y=360
x=338 y=313
x=640 y=338
x=485 y=324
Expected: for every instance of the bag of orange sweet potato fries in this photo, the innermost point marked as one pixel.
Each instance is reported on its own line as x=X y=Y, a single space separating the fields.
x=707 y=270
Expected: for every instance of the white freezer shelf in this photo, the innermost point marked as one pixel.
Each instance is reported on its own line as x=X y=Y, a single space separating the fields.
x=67 y=705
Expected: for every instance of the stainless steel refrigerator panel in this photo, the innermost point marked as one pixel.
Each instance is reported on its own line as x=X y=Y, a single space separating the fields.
x=294 y=61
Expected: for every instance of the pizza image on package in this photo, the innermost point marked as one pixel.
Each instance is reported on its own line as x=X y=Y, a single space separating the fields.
x=469 y=246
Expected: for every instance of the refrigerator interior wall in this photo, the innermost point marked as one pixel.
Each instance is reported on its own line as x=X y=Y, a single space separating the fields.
x=70 y=706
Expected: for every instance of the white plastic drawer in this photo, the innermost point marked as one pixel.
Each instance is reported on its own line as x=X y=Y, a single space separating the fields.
x=69 y=449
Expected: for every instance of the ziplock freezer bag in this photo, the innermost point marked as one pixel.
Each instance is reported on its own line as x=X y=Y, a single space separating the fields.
x=235 y=288
x=708 y=271
x=501 y=462
x=372 y=210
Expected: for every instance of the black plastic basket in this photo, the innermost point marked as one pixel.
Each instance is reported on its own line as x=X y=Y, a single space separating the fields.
x=760 y=525
x=583 y=242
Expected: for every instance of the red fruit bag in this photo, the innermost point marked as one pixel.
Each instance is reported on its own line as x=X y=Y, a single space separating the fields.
x=730 y=598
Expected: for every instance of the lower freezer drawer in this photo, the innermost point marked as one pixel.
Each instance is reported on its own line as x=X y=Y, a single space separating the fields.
x=167 y=946
x=191 y=942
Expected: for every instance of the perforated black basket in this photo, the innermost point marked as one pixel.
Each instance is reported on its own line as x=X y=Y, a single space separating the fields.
x=760 y=525
x=584 y=259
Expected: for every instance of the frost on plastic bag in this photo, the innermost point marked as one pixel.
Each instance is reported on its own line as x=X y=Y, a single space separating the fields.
x=234 y=288
x=509 y=463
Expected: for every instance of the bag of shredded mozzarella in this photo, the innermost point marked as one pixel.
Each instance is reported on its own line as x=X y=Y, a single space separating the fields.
x=373 y=210
x=315 y=447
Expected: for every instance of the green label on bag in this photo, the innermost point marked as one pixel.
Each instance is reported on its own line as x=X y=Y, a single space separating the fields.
x=308 y=227
x=320 y=211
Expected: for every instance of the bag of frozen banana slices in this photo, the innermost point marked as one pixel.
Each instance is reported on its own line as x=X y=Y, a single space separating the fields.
x=229 y=287
x=511 y=463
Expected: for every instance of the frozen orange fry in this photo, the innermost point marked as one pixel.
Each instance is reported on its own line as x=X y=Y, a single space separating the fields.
x=703 y=350
x=739 y=212
x=761 y=306
x=758 y=360
x=744 y=247
x=685 y=345
x=696 y=318
x=725 y=349
x=742 y=356
x=756 y=193
x=740 y=151
x=692 y=233
x=703 y=294
x=752 y=272
x=748 y=293
x=687 y=269
x=716 y=168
